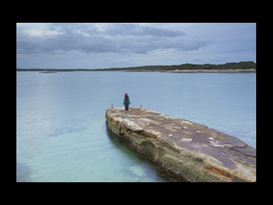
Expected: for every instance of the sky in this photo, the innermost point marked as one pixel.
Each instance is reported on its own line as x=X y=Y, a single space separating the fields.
x=113 y=45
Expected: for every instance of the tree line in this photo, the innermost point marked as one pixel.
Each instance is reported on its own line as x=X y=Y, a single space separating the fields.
x=186 y=66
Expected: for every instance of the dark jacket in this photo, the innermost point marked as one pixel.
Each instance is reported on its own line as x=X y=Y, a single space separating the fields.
x=126 y=101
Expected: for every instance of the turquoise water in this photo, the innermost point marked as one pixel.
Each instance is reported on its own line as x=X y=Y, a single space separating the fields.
x=61 y=131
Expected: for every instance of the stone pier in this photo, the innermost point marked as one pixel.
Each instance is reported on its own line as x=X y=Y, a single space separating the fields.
x=185 y=150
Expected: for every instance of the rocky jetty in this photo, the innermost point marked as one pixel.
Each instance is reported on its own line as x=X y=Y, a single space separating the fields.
x=185 y=150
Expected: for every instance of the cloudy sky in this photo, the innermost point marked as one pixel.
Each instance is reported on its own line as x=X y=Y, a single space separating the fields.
x=109 y=45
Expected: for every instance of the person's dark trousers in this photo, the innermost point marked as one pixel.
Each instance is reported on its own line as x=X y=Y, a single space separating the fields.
x=126 y=107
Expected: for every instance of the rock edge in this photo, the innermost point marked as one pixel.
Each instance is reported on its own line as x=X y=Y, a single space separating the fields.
x=185 y=150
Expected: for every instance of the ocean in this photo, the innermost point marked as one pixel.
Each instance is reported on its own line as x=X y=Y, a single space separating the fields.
x=61 y=132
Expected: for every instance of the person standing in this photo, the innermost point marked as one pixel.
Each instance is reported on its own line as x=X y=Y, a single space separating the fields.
x=126 y=101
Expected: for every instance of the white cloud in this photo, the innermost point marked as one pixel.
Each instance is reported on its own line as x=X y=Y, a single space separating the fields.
x=39 y=33
x=36 y=29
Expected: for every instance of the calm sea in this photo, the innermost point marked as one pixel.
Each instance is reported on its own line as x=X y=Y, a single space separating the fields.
x=61 y=130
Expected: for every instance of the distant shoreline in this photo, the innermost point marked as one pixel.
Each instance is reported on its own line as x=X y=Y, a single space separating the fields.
x=243 y=66
x=161 y=71
x=197 y=71
x=215 y=71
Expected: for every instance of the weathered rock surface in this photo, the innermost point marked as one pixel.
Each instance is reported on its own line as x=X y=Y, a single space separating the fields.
x=186 y=150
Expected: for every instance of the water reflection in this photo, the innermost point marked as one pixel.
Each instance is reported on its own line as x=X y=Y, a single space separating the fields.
x=23 y=173
x=61 y=131
x=139 y=168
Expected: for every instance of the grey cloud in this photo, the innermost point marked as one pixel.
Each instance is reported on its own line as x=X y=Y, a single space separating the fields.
x=119 y=38
x=138 y=30
x=163 y=32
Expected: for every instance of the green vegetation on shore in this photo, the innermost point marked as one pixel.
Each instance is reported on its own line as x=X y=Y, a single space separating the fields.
x=187 y=66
